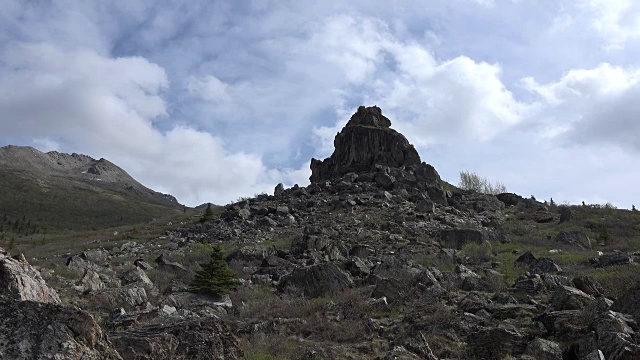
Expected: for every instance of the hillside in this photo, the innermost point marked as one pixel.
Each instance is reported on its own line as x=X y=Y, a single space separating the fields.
x=66 y=192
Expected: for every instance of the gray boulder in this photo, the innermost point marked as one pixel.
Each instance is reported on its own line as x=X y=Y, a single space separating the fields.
x=35 y=330
x=458 y=238
x=316 y=280
x=629 y=303
x=542 y=349
x=576 y=239
x=568 y=298
x=20 y=281
x=199 y=339
x=91 y=281
x=279 y=190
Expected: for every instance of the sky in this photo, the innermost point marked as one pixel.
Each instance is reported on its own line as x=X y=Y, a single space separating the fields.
x=215 y=100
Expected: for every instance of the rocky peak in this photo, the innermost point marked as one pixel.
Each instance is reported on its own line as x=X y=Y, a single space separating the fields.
x=367 y=141
x=369 y=116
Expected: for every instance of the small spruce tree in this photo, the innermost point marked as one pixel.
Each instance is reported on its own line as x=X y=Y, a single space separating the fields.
x=633 y=208
x=215 y=278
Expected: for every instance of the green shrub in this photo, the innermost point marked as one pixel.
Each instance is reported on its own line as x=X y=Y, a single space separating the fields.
x=474 y=182
x=478 y=252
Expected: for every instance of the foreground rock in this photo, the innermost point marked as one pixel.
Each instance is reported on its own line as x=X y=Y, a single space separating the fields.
x=34 y=330
x=20 y=281
x=205 y=338
x=317 y=280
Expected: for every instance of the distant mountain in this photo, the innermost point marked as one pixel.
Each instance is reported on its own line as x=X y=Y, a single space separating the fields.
x=74 y=191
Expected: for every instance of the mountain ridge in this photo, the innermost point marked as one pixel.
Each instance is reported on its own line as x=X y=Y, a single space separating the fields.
x=77 y=187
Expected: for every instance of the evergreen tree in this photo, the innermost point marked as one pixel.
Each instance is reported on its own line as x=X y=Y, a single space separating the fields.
x=633 y=208
x=215 y=277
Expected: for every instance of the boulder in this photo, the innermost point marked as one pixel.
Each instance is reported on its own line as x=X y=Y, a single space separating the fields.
x=20 y=281
x=385 y=181
x=36 y=330
x=458 y=238
x=510 y=199
x=588 y=285
x=496 y=342
x=279 y=190
x=568 y=298
x=544 y=265
x=129 y=296
x=629 y=302
x=167 y=265
x=142 y=264
x=202 y=338
x=425 y=206
x=316 y=280
x=527 y=258
x=576 y=239
x=542 y=349
x=613 y=258
x=91 y=281
x=137 y=276
x=566 y=214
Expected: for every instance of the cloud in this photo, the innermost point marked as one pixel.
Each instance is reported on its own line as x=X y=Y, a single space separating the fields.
x=616 y=20
x=435 y=101
x=107 y=107
x=588 y=106
x=264 y=87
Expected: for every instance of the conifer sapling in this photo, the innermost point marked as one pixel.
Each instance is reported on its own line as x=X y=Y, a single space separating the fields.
x=215 y=278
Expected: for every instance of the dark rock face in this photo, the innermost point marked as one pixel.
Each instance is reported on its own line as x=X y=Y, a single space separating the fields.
x=204 y=338
x=33 y=330
x=366 y=141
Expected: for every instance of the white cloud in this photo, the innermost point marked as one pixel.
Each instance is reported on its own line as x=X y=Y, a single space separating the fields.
x=208 y=88
x=434 y=101
x=597 y=105
x=617 y=20
x=106 y=107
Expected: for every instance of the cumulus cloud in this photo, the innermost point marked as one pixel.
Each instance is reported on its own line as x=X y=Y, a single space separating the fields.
x=211 y=100
x=617 y=20
x=107 y=107
x=597 y=105
x=435 y=101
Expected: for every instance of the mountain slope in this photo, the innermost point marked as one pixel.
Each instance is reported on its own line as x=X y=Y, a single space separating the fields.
x=74 y=192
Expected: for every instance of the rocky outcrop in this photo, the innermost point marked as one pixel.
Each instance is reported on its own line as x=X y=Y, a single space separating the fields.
x=204 y=338
x=20 y=281
x=366 y=141
x=34 y=330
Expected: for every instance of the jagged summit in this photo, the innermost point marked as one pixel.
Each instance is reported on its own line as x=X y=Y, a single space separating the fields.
x=364 y=143
x=369 y=116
